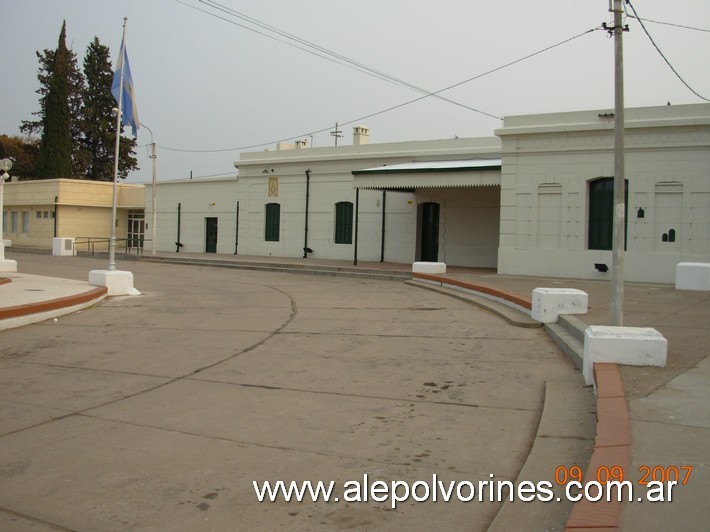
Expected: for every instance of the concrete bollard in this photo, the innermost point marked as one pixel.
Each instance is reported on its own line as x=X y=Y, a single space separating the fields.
x=432 y=268
x=633 y=346
x=6 y=265
x=119 y=283
x=692 y=276
x=549 y=303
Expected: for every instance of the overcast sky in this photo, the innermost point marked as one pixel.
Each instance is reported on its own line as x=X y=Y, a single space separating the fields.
x=204 y=83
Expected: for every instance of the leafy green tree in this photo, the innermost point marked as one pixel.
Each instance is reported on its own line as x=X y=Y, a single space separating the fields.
x=24 y=152
x=98 y=125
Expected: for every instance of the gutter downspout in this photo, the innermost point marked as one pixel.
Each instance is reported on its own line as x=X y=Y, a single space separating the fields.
x=308 y=193
x=56 y=200
x=384 y=203
x=236 y=232
x=357 y=212
x=178 y=245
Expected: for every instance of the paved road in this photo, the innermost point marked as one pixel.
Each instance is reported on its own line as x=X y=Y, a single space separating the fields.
x=157 y=412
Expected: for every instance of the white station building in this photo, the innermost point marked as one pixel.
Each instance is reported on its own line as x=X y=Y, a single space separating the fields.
x=536 y=199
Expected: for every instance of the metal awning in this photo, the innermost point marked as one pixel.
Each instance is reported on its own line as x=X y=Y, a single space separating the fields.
x=430 y=174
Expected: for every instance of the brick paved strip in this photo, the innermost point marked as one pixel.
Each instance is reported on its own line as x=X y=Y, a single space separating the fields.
x=483 y=289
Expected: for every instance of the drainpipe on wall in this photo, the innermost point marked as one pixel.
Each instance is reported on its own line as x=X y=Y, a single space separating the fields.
x=56 y=200
x=178 y=244
x=308 y=190
x=236 y=232
x=384 y=203
x=357 y=212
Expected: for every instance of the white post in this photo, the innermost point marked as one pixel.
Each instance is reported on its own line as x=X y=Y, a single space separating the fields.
x=154 y=220
x=2 y=199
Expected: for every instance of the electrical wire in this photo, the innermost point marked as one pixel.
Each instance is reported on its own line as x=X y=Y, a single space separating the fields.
x=670 y=24
x=636 y=15
x=478 y=76
x=318 y=50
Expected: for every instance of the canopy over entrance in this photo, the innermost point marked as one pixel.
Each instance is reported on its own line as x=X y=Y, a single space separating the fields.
x=430 y=174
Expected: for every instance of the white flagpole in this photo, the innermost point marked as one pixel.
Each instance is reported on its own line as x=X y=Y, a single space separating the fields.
x=112 y=242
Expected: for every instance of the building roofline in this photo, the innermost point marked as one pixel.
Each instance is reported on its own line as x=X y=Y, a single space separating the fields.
x=442 y=148
x=603 y=119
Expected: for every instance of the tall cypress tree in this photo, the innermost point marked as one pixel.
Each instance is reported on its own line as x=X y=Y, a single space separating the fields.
x=76 y=83
x=55 y=154
x=98 y=123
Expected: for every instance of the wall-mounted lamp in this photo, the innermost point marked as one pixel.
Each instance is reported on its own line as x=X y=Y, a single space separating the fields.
x=600 y=267
x=640 y=213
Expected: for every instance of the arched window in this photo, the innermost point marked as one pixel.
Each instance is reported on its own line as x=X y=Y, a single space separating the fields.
x=344 y=222
x=273 y=222
x=601 y=212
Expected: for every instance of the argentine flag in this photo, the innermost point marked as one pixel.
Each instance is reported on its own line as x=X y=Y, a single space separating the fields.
x=122 y=90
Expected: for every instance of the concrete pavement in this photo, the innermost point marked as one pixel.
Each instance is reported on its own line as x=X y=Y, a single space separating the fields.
x=122 y=416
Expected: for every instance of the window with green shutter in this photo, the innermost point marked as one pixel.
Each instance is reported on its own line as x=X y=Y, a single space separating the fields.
x=273 y=221
x=344 y=222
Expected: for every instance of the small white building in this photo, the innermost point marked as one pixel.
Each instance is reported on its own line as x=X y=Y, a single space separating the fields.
x=535 y=200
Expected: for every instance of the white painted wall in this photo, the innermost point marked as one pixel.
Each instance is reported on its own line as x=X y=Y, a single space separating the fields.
x=200 y=198
x=326 y=189
x=548 y=161
x=331 y=181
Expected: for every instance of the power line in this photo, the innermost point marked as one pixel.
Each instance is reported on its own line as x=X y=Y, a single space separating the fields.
x=497 y=69
x=662 y=55
x=669 y=24
x=320 y=51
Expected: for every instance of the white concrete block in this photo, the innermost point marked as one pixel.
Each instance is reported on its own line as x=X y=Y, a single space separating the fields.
x=549 y=303
x=63 y=247
x=119 y=283
x=6 y=242
x=633 y=346
x=692 y=276
x=6 y=265
x=429 y=267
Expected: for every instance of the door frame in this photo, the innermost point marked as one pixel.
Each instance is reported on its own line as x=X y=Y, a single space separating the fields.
x=211 y=243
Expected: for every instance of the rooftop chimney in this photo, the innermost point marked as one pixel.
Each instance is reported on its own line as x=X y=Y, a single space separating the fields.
x=361 y=135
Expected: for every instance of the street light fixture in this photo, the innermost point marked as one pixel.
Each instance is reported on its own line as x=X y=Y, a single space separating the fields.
x=154 y=221
x=5 y=167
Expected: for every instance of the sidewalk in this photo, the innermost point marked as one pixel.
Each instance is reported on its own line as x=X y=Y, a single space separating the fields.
x=669 y=412
x=26 y=298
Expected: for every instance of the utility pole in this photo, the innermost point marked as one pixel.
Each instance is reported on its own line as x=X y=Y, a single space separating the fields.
x=337 y=133
x=619 y=234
